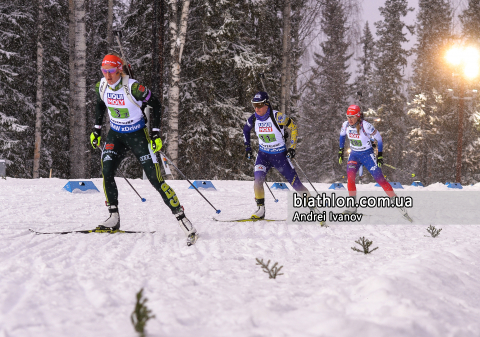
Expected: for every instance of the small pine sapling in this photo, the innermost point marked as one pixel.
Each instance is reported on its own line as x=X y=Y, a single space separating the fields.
x=272 y=272
x=433 y=231
x=365 y=243
x=141 y=314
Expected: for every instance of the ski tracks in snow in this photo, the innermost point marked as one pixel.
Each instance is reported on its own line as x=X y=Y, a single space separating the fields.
x=85 y=284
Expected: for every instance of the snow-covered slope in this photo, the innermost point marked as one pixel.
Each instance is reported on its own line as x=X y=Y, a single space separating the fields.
x=85 y=284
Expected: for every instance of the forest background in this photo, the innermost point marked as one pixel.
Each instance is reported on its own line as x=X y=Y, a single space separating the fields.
x=202 y=59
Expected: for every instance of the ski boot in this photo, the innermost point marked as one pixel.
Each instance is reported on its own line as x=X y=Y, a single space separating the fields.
x=187 y=227
x=113 y=221
x=402 y=210
x=351 y=210
x=317 y=211
x=260 y=212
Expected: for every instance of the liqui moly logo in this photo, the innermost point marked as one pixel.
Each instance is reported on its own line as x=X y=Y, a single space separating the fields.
x=264 y=124
x=115 y=99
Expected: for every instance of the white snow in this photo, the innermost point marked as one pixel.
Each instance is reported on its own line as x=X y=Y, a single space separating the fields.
x=85 y=284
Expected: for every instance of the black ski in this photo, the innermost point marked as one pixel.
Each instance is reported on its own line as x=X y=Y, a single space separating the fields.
x=87 y=231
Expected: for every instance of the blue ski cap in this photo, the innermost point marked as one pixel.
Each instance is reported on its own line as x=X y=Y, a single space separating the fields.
x=260 y=97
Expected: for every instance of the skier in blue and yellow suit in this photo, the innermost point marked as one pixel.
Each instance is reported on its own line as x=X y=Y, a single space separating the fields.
x=270 y=127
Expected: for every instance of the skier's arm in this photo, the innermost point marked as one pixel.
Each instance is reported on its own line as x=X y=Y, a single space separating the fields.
x=100 y=108
x=246 y=132
x=343 y=135
x=289 y=123
x=143 y=94
x=376 y=135
x=293 y=132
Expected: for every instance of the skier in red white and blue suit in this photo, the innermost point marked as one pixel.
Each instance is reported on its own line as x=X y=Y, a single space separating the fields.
x=270 y=126
x=360 y=133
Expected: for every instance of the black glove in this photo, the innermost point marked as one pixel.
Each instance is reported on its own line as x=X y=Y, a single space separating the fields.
x=95 y=137
x=291 y=153
x=380 y=159
x=248 y=152
x=340 y=156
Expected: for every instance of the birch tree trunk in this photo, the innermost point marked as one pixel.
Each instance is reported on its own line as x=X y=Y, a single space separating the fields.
x=285 y=80
x=177 y=41
x=77 y=149
x=38 y=108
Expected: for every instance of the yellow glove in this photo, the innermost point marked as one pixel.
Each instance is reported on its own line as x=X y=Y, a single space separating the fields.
x=380 y=159
x=95 y=137
x=155 y=142
x=340 y=156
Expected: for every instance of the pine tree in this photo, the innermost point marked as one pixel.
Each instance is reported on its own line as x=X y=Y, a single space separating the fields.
x=433 y=117
x=470 y=19
x=17 y=85
x=365 y=79
x=327 y=97
x=55 y=126
x=389 y=94
x=221 y=68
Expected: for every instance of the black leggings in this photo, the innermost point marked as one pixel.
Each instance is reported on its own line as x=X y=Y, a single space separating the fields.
x=114 y=151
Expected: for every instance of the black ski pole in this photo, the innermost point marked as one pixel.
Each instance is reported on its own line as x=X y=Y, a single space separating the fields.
x=276 y=200
x=305 y=176
x=196 y=189
x=123 y=175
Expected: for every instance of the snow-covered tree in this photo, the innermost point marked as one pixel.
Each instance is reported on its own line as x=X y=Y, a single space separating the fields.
x=470 y=19
x=222 y=59
x=365 y=73
x=390 y=62
x=433 y=117
x=17 y=64
x=326 y=100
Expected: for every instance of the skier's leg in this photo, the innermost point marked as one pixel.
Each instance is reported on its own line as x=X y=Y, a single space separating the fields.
x=371 y=164
x=353 y=165
x=262 y=165
x=112 y=155
x=369 y=161
x=139 y=143
x=286 y=168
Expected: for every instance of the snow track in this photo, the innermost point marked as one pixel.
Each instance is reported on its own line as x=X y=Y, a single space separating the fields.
x=85 y=284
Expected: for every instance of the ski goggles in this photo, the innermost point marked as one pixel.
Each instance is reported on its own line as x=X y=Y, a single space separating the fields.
x=109 y=71
x=258 y=105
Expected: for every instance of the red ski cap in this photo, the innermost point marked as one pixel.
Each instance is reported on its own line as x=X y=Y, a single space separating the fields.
x=112 y=60
x=353 y=110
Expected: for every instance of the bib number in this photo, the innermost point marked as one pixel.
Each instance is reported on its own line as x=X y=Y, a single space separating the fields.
x=356 y=142
x=268 y=138
x=119 y=112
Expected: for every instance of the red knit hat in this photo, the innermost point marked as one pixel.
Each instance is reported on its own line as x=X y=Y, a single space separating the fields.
x=353 y=110
x=112 y=60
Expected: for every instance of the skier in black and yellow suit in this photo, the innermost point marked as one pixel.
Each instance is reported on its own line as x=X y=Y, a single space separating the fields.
x=123 y=97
